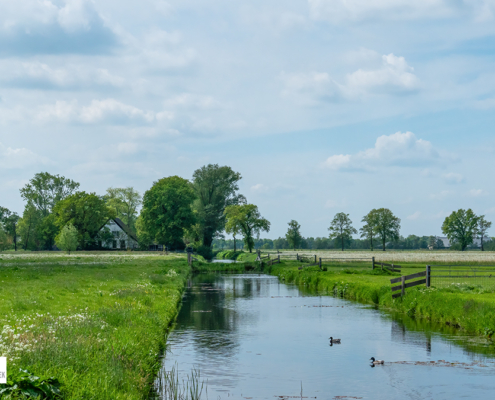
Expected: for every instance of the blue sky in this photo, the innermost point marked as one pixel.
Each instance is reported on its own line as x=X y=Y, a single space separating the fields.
x=323 y=106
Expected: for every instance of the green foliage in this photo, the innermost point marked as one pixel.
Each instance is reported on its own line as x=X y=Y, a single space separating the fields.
x=293 y=234
x=481 y=230
x=68 y=238
x=248 y=220
x=167 y=211
x=88 y=213
x=5 y=241
x=216 y=188
x=24 y=385
x=228 y=255
x=125 y=202
x=205 y=252
x=8 y=222
x=44 y=191
x=341 y=228
x=381 y=223
x=461 y=227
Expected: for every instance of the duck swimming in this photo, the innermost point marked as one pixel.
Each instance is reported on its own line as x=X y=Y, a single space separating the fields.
x=332 y=340
x=373 y=361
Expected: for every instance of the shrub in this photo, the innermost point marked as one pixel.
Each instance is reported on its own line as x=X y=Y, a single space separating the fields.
x=205 y=251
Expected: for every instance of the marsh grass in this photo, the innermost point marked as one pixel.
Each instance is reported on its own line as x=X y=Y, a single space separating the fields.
x=100 y=329
x=169 y=386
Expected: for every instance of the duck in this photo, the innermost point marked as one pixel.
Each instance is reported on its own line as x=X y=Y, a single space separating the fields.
x=373 y=361
x=332 y=340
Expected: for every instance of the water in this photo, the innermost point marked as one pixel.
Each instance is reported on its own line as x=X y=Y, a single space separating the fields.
x=254 y=337
x=223 y=261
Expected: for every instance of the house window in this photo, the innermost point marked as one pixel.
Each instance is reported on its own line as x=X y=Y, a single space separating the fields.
x=122 y=244
x=114 y=244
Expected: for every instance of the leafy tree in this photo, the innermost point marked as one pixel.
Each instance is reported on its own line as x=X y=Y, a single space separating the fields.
x=461 y=227
x=368 y=230
x=68 y=238
x=88 y=213
x=27 y=226
x=45 y=190
x=482 y=228
x=9 y=221
x=251 y=223
x=387 y=225
x=432 y=242
x=216 y=188
x=341 y=228
x=293 y=234
x=125 y=202
x=5 y=242
x=233 y=224
x=167 y=211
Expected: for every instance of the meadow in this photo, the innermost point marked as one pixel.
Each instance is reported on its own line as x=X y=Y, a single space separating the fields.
x=97 y=323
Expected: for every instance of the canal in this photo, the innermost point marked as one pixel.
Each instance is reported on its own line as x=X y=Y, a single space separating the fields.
x=253 y=337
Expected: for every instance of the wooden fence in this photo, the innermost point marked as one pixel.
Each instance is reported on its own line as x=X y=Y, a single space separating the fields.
x=389 y=267
x=272 y=261
x=404 y=285
x=190 y=259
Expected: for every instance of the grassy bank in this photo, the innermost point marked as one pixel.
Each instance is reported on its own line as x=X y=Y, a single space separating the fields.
x=470 y=308
x=237 y=267
x=98 y=324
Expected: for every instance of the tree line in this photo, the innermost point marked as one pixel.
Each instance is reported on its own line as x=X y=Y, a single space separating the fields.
x=175 y=212
x=196 y=213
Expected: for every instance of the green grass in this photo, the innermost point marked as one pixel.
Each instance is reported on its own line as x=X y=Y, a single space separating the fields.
x=465 y=306
x=238 y=267
x=98 y=325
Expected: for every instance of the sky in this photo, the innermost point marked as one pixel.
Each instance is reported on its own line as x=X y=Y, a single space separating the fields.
x=323 y=106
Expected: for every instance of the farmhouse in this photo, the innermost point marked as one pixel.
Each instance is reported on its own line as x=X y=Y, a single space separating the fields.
x=123 y=236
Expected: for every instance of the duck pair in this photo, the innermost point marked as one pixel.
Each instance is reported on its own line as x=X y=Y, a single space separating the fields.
x=375 y=362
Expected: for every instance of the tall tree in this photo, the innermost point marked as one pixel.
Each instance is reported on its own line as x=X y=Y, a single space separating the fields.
x=216 y=188
x=125 y=202
x=87 y=212
x=167 y=211
x=27 y=226
x=250 y=221
x=45 y=190
x=368 y=230
x=341 y=228
x=9 y=221
x=233 y=223
x=387 y=225
x=293 y=234
x=461 y=227
x=482 y=228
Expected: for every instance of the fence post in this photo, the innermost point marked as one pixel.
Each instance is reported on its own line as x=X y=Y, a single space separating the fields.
x=372 y=263
x=315 y=258
x=428 y=276
x=279 y=258
x=403 y=283
x=320 y=262
x=297 y=256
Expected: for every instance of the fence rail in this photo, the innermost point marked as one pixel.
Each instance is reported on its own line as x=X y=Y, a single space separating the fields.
x=403 y=285
x=448 y=275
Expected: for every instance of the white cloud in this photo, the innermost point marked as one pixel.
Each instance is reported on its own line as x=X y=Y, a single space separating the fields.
x=66 y=26
x=190 y=100
x=476 y=192
x=414 y=216
x=11 y=158
x=108 y=111
x=394 y=76
x=442 y=195
x=37 y=75
x=339 y=11
x=453 y=177
x=399 y=149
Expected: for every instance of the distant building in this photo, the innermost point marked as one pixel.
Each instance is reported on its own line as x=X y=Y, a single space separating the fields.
x=123 y=237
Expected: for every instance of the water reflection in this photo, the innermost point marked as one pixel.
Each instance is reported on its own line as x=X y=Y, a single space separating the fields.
x=252 y=336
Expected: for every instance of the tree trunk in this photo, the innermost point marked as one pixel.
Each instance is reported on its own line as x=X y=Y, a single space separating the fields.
x=482 y=243
x=234 y=245
x=383 y=243
x=342 y=238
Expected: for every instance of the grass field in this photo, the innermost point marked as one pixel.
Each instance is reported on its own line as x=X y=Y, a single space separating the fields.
x=97 y=323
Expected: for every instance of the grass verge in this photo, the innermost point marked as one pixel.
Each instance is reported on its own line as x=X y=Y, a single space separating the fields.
x=98 y=327
x=462 y=306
